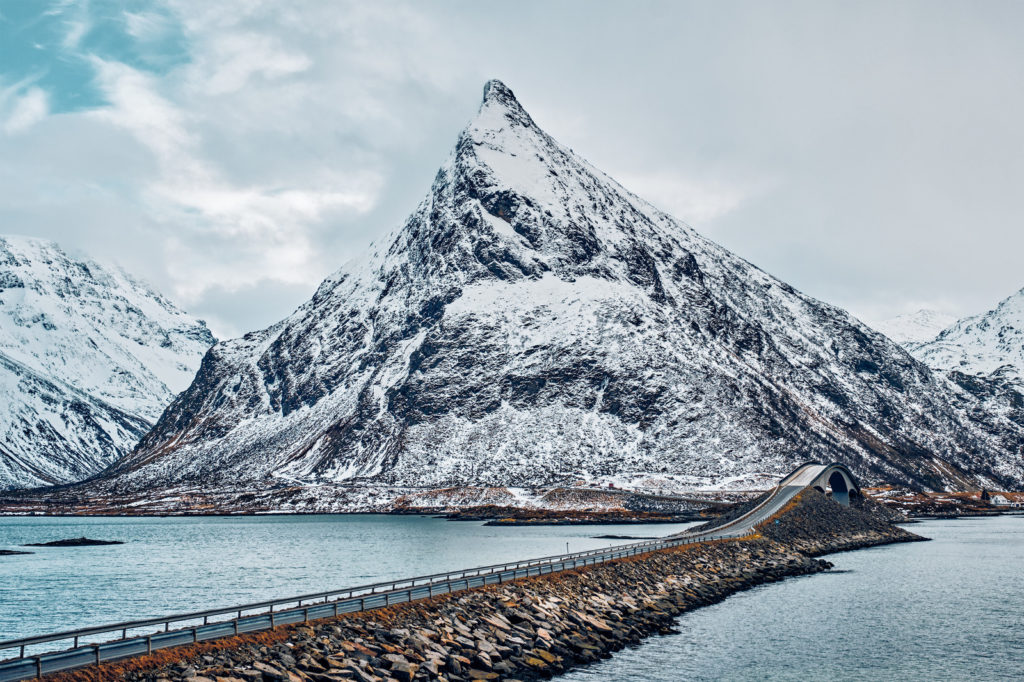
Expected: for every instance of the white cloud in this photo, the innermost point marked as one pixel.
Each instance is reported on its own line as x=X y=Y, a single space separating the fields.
x=137 y=106
x=266 y=227
x=20 y=112
x=258 y=162
x=238 y=57
x=77 y=21
x=146 y=26
x=294 y=133
x=77 y=29
x=692 y=199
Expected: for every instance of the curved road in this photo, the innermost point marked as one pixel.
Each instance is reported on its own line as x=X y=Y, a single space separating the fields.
x=802 y=477
x=126 y=641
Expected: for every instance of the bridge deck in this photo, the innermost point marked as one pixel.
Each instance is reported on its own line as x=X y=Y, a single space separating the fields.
x=356 y=599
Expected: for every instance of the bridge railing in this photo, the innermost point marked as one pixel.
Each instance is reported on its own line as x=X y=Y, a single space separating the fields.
x=212 y=624
x=316 y=605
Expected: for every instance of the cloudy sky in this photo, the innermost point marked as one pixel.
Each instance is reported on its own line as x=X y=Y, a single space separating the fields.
x=234 y=153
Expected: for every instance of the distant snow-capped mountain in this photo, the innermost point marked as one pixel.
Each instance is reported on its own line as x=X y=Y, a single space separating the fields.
x=532 y=323
x=917 y=327
x=89 y=358
x=990 y=344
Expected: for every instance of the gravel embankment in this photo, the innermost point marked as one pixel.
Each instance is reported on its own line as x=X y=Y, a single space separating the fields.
x=530 y=629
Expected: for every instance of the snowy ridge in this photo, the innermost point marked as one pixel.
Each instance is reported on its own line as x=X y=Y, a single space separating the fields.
x=533 y=323
x=988 y=344
x=89 y=358
x=915 y=328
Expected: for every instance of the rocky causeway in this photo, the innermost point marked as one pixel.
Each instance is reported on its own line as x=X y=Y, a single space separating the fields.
x=530 y=629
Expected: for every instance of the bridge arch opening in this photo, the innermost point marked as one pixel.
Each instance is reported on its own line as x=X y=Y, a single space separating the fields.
x=840 y=488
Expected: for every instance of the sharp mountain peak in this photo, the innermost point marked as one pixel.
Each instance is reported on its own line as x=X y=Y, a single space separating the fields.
x=533 y=322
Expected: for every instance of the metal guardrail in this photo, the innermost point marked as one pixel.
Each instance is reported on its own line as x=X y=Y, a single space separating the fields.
x=318 y=605
x=772 y=494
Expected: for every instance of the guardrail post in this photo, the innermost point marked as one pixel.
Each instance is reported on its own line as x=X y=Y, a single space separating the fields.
x=195 y=635
x=387 y=599
x=335 y=609
x=124 y=633
x=96 y=650
x=22 y=651
x=39 y=666
x=235 y=623
x=272 y=625
x=362 y=604
x=305 y=615
x=149 y=644
x=75 y=645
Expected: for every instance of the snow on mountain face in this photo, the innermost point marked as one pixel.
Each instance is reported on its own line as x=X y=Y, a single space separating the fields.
x=533 y=322
x=89 y=358
x=915 y=328
x=987 y=344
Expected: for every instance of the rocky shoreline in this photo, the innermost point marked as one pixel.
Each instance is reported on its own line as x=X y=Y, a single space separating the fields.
x=362 y=499
x=530 y=629
x=944 y=505
x=512 y=516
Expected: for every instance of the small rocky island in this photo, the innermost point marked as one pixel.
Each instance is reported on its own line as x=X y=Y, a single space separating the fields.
x=74 y=542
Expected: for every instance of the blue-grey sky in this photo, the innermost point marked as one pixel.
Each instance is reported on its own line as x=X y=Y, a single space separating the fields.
x=236 y=152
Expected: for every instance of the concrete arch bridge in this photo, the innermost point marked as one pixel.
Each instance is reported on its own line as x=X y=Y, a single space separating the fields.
x=832 y=479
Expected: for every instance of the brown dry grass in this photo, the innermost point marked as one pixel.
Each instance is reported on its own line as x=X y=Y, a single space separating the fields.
x=385 y=616
x=158 y=659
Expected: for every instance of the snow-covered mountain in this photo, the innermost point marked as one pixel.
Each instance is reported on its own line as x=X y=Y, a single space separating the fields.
x=990 y=344
x=914 y=328
x=534 y=322
x=89 y=358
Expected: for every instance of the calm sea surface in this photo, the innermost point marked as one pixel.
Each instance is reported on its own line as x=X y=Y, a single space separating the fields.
x=950 y=609
x=180 y=564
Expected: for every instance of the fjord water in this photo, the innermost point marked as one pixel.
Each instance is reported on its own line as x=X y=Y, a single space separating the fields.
x=182 y=564
x=950 y=609
x=946 y=609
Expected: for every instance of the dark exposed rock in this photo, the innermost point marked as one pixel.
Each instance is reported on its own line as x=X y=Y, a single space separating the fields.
x=89 y=358
x=74 y=542
x=534 y=324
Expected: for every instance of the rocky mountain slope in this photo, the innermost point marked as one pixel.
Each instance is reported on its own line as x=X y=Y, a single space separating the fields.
x=89 y=358
x=990 y=344
x=915 y=328
x=533 y=322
